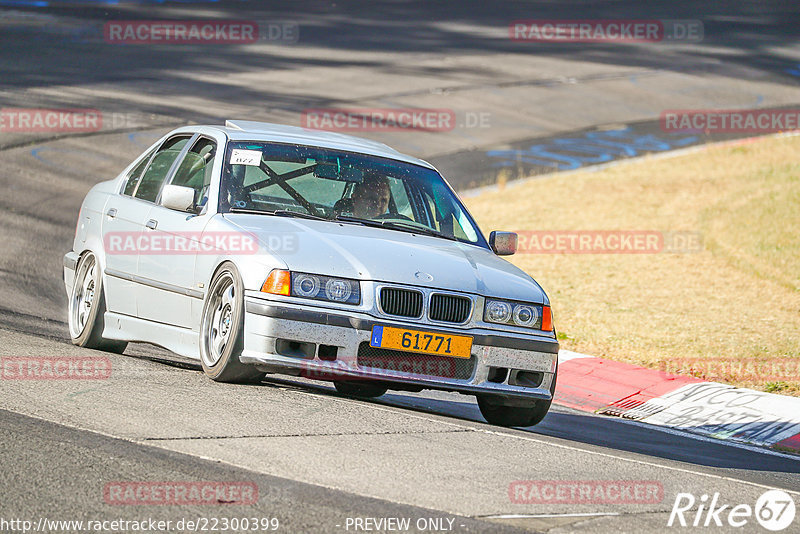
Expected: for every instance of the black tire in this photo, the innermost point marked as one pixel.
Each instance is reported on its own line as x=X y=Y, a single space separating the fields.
x=87 y=308
x=222 y=330
x=365 y=390
x=523 y=416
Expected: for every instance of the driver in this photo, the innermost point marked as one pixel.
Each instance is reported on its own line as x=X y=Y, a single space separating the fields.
x=371 y=197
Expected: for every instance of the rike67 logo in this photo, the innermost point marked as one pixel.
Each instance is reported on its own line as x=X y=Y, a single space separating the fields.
x=774 y=510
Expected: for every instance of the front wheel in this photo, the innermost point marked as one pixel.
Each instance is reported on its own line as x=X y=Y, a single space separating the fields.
x=87 y=308
x=222 y=330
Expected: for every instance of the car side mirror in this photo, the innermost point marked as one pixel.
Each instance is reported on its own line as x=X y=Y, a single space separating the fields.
x=503 y=243
x=177 y=197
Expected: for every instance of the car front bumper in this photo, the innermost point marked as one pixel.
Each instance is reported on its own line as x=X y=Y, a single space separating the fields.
x=281 y=337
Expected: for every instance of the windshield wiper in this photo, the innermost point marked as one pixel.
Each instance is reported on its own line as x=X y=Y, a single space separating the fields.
x=396 y=225
x=281 y=213
x=365 y=222
x=245 y=210
x=300 y=214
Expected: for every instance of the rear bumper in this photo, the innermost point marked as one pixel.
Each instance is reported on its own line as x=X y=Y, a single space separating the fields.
x=510 y=366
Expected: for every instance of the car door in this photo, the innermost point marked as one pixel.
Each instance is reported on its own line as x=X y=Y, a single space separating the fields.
x=170 y=265
x=122 y=222
x=125 y=218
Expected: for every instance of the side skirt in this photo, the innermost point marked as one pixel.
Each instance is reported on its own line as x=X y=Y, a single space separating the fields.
x=181 y=341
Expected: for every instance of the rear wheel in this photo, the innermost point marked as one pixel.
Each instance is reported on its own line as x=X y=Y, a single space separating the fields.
x=222 y=330
x=87 y=308
x=366 y=390
x=498 y=414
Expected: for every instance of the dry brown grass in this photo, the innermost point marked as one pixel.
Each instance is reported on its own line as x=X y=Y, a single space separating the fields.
x=735 y=302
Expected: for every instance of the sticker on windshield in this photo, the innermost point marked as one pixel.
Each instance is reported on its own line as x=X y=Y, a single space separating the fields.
x=245 y=157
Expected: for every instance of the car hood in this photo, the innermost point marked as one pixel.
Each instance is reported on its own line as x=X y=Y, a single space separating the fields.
x=365 y=253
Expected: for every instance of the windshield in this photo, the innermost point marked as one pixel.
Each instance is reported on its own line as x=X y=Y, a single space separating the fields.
x=335 y=185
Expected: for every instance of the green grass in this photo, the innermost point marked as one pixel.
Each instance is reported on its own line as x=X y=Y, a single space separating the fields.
x=737 y=299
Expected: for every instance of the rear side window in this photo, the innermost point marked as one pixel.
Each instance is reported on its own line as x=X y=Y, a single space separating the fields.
x=135 y=174
x=152 y=179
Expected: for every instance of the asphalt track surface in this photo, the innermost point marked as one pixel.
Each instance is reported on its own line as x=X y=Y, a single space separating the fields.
x=319 y=458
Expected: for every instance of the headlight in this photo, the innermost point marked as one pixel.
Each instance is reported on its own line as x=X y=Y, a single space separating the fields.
x=525 y=315
x=517 y=314
x=338 y=290
x=498 y=312
x=305 y=285
x=313 y=286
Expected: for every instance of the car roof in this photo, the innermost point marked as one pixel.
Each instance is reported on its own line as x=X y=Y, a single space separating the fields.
x=239 y=130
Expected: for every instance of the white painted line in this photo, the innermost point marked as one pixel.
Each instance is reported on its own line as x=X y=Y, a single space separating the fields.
x=657 y=428
x=162 y=445
x=607 y=455
x=567 y=355
x=526 y=516
x=643 y=462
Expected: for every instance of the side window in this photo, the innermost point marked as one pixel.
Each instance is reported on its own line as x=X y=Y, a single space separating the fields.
x=135 y=174
x=196 y=169
x=150 y=184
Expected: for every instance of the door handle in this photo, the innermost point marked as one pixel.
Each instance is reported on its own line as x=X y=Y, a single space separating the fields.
x=112 y=212
x=152 y=223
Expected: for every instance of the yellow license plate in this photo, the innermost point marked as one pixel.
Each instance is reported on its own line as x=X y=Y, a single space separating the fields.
x=389 y=337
